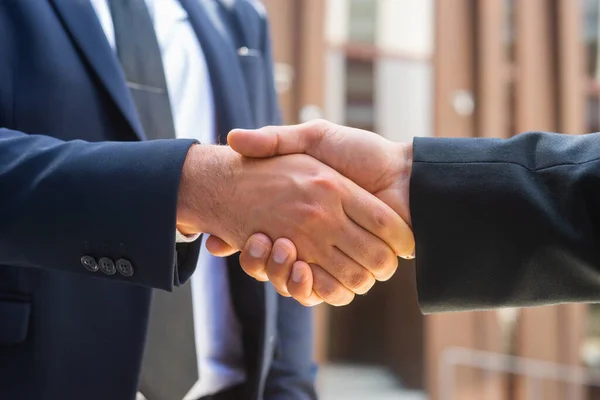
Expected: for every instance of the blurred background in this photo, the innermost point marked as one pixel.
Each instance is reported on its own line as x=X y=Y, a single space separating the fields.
x=453 y=68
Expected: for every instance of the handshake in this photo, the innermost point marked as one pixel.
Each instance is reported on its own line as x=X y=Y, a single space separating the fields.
x=318 y=209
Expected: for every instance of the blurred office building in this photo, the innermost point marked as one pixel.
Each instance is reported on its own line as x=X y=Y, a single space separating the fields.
x=448 y=68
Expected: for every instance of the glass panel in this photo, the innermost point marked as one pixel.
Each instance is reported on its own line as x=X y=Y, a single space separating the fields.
x=360 y=94
x=363 y=15
x=590 y=35
x=593 y=116
x=591 y=32
x=509 y=28
x=509 y=34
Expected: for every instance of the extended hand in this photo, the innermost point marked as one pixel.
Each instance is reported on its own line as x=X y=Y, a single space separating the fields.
x=332 y=221
x=380 y=166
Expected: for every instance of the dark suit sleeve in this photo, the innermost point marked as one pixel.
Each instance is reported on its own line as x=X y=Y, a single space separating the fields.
x=60 y=201
x=506 y=222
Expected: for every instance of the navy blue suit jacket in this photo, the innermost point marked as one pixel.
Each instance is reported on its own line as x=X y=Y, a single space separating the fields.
x=70 y=187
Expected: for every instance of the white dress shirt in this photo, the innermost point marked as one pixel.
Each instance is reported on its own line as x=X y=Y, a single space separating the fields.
x=217 y=330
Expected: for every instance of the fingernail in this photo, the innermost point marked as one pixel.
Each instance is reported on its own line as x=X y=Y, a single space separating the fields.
x=280 y=255
x=257 y=250
x=297 y=275
x=410 y=256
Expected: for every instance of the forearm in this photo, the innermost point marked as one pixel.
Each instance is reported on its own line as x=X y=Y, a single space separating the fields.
x=506 y=222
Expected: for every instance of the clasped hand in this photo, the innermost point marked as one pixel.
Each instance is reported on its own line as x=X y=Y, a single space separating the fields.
x=333 y=219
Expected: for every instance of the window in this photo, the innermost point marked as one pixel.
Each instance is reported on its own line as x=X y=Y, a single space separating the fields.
x=363 y=21
x=591 y=32
x=360 y=85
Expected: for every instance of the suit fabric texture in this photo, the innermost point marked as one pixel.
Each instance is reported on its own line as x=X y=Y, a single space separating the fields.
x=505 y=223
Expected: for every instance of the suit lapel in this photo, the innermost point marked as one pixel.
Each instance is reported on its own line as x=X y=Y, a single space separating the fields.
x=81 y=21
x=230 y=92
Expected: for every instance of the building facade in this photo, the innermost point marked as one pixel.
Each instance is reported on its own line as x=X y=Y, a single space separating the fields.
x=448 y=68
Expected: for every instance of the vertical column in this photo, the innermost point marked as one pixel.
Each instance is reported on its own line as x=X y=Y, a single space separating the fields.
x=535 y=101
x=454 y=69
x=311 y=63
x=493 y=70
x=571 y=102
x=571 y=67
x=283 y=33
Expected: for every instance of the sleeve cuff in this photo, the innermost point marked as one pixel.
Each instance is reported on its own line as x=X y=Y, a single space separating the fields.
x=181 y=238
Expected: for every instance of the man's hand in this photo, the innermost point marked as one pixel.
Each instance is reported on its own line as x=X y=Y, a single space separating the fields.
x=331 y=221
x=380 y=166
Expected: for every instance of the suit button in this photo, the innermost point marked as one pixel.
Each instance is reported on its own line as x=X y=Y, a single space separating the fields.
x=124 y=267
x=89 y=263
x=107 y=266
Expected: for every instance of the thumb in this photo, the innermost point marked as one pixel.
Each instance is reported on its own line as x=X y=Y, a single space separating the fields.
x=219 y=248
x=273 y=140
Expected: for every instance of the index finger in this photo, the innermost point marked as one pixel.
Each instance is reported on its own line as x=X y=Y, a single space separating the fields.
x=378 y=218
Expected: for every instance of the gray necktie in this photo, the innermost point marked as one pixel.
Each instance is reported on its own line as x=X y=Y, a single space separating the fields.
x=140 y=58
x=169 y=368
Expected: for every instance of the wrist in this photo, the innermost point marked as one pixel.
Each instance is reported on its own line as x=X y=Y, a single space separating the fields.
x=207 y=175
x=404 y=153
x=186 y=219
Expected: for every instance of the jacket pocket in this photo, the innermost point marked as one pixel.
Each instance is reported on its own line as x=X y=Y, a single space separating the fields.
x=14 y=321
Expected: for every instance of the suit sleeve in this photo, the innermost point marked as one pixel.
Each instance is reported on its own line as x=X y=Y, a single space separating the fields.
x=506 y=222
x=62 y=201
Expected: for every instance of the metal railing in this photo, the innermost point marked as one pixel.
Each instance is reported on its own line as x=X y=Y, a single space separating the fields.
x=536 y=371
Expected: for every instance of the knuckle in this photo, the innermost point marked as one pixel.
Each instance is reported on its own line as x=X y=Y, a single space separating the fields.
x=320 y=125
x=277 y=274
x=249 y=264
x=382 y=221
x=386 y=274
x=329 y=291
x=285 y=246
x=383 y=261
x=408 y=245
x=297 y=293
x=255 y=273
x=324 y=182
x=307 y=302
x=317 y=131
x=361 y=282
x=282 y=293
x=344 y=301
x=313 y=212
